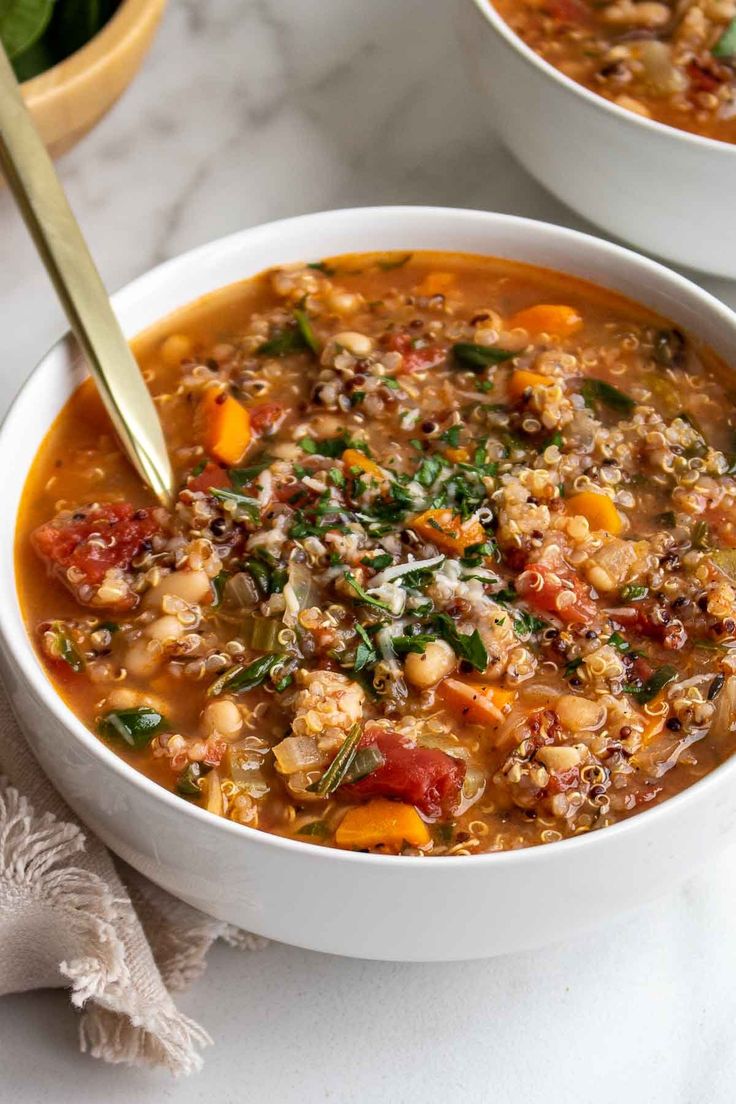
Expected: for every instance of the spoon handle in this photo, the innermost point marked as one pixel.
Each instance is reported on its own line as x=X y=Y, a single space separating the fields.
x=63 y=250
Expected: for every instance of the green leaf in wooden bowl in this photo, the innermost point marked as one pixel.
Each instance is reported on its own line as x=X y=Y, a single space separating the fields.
x=22 y=22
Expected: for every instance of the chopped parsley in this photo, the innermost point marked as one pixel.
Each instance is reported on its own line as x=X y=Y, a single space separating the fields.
x=617 y=641
x=379 y=562
x=451 y=436
x=298 y=338
x=647 y=691
x=332 y=447
x=240 y=476
x=249 y=506
x=362 y=595
x=467 y=646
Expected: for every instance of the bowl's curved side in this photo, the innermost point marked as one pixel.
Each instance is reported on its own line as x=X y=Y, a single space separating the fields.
x=67 y=100
x=328 y=900
x=665 y=190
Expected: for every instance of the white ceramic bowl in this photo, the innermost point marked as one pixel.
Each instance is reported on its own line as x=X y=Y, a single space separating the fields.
x=664 y=190
x=353 y=904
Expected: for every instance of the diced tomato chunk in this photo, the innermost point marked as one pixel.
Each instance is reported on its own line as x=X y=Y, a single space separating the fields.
x=562 y=780
x=416 y=359
x=212 y=475
x=705 y=77
x=93 y=539
x=427 y=778
x=541 y=586
x=265 y=417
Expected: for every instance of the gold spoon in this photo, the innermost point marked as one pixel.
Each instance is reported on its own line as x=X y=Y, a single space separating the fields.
x=62 y=248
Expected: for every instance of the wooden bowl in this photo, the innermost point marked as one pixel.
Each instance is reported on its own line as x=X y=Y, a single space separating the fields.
x=67 y=100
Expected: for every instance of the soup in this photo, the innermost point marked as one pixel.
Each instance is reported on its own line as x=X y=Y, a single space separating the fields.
x=450 y=568
x=672 y=62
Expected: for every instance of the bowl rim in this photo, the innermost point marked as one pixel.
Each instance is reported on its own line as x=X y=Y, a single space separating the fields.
x=95 y=53
x=600 y=103
x=27 y=663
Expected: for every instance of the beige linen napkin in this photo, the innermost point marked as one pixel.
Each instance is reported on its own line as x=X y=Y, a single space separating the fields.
x=72 y=916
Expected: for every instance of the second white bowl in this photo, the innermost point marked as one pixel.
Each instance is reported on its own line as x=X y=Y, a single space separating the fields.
x=664 y=190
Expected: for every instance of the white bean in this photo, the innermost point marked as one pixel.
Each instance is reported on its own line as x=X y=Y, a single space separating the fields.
x=164 y=628
x=222 y=718
x=578 y=714
x=646 y=13
x=358 y=344
x=425 y=670
x=125 y=697
x=191 y=586
x=343 y=302
x=559 y=758
x=140 y=661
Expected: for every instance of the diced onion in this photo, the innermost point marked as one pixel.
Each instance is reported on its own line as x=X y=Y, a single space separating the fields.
x=262 y=633
x=297 y=753
x=299 y=592
x=240 y=591
x=264 y=482
x=474 y=785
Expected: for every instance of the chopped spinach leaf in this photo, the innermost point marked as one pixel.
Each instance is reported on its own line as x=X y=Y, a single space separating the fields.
x=306 y=330
x=240 y=476
x=136 y=727
x=322 y=266
x=188 y=782
x=66 y=648
x=477 y=357
x=243 y=678
x=715 y=687
x=648 y=690
x=386 y=264
x=598 y=391
x=725 y=47
x=109 y=626
x=218 y=587
x=314 y=827
x=283 y=343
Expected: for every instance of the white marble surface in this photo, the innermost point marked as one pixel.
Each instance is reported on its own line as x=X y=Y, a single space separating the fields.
x=248 y=110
